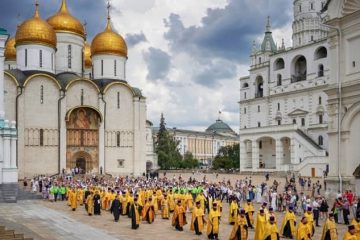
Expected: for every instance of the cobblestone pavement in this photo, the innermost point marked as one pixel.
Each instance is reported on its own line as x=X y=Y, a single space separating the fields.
x=46 y=220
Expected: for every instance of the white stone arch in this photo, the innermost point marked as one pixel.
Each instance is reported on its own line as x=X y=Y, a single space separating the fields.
x=80 y=88
x=279 y=63
x=267 y=151
x=350 y=115
x=298 y=68
x=320 y=52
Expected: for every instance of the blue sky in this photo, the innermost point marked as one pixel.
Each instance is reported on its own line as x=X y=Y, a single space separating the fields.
x=186 y=56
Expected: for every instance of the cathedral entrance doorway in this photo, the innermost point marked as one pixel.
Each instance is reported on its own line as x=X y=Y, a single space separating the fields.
x=82 y=137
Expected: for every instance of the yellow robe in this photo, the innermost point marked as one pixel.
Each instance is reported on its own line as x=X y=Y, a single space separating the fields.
x=348 y=236
x=233 y=212
x=189 y=202
x=290 y=219
x=171 y=202
x=165 y=212
x=201 y=198
x=197 y=214
x=310 y=222
x=73 y=199
x=123 y=201
x=240 y=225
x=249 y=209
x=329 y=226
x=90 y=204
x=303 y=232
x=213 y=222
x=260 y=227
x=271 y=231
x=80 y=196
x=357 y=227
x=179 y=216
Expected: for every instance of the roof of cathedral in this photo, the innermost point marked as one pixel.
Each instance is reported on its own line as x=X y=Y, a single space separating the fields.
x=220 y=127
x=65 y=78
x=268 y=43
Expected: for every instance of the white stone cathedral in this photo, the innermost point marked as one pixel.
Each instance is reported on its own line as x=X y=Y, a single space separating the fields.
x=283 y=117
x=71 y=100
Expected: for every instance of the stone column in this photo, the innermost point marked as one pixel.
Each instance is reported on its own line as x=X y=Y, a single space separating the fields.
x=255 y=155
x=243 y=160
x=13 y=145
x=279 y=154
x=6 y=138
x=292 y=151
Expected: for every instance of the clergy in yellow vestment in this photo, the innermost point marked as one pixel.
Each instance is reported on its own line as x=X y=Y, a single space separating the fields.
x=356 y=223
x=303 y=231
x=90 y=203
x=149 y=211
x=260 y=225
x=288 y=227
x=123 y=200
x=310 y=220
x=165 y=213
x=73 y=199
x=233 y=211
x=179 y=218
x=351 y=233
x=200 y=197
x=213 y=222
x=80 y=196
x=171 y=201
x=249 y=212
x=329 y=230
x=271 y=230
x=197 y=219
x=240 y=229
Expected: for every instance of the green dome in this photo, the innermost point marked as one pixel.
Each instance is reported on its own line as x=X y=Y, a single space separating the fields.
x=220 y=127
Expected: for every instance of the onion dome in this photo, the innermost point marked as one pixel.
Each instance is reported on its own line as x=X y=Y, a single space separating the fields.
x=87 y=55
x=36 y=31
x=10 y=50
x=109 y=42
x=62 y=21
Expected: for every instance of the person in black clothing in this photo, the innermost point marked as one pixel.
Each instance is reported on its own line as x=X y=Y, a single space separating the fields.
x=135 y=210
x=97 y=204
x=115 y=208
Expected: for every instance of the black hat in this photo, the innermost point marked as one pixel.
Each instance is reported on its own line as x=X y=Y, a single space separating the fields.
x=272 y=218
x=264 y=203
x=351 y=227
x=291 y=208
x=331 y=214
x=248 y=200
x=214 y=204
x=198 y=202
x=271 y=209
x=309 y=209
x=242 y=211
x=262 y=211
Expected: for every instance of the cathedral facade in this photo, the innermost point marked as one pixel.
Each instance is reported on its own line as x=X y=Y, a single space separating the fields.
x=283 y=117
x=71 y=101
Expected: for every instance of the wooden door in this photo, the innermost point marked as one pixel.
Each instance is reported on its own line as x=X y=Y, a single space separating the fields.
x=313 y=172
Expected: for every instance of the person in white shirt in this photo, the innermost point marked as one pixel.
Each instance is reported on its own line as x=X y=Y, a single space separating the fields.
x=316 y=211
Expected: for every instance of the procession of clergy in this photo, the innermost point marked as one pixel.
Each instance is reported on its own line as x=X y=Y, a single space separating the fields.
x=146 y=203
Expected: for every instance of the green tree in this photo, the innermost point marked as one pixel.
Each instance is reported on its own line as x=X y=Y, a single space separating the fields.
x=166 y=147
x=227 y=157
x=189 y=161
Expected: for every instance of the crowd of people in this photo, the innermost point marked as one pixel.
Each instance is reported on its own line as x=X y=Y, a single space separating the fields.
x=142 y=199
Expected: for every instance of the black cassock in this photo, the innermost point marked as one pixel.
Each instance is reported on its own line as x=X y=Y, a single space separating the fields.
x=97 y=204
x=287 y=230
x=115 y=209
x=133 y=208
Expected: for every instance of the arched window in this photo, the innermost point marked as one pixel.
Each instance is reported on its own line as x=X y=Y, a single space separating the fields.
x=245 y=85
x=320 y=100
x=321 y=140
x=279 y=64
x=321 y=119
x=115 y=72
x=321 y=52
x=40 y=58
x=298 y=69
x=294 y=121
x=279 y=80
x=102 y=67
x=320 y=70
x=26 y=57
x=41 y=137
x=69 y=56
x=118 y=100
x=41 y=94
x=118 y=139
x=278 y=106
x=259 y=87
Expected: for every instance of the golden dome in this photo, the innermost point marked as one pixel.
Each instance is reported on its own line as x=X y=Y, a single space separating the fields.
x=62 y=21
x=36 y=30
x=109 y=42
x=10 y=50
x=87 y=55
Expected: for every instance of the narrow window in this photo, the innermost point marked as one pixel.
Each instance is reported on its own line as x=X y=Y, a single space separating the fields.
x=279 y=80
x=82 y=97
x=321 y=140
x=40 y=59
x=102 y=67
x=278 y=105
x=303 y=122
x=69 y=56
x=259 y=60
x=244 y=110
x=114 y=67
x=320 y=119
x=25 y=57
x=259 y=124
x=354 y=64
x=41 y=94
x=118 y=139
x=244 y=95
x=294 y=121
x=118 y=100
x=279 y=122
x=260 y=144
x=299 y=8
x=41 y=137
x=311 y=6
x=320 y=100
x=312 y=38
x=299 y=40
x=9 y=66
x=258 y=108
